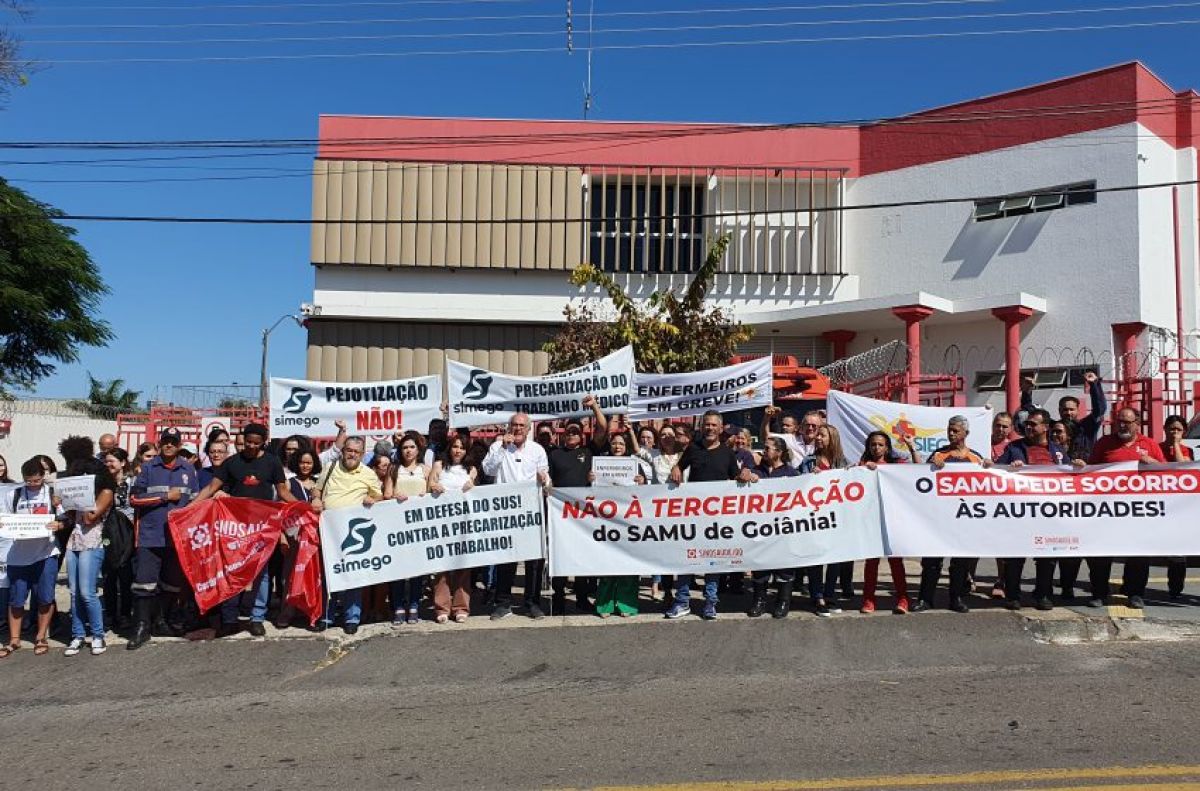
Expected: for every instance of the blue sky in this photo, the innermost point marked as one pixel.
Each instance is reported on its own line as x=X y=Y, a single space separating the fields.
x=188 y=303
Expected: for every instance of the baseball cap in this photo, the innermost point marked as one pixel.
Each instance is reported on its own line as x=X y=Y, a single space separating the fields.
x=169 y=436
x=190 y=447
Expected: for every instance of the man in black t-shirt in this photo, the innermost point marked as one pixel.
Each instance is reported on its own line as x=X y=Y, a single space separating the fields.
x=258 y=475
x=571 y=466
x=707 y=459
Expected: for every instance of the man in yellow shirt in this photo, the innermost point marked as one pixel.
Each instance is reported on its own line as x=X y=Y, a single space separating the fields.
x=345 y=485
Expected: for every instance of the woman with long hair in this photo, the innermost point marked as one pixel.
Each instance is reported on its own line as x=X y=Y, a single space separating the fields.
x=620 y=594
x=822 y=581
x=118 y=583
x=4 y=471
x=453 y=471
x=409 y=478
x=878 y=450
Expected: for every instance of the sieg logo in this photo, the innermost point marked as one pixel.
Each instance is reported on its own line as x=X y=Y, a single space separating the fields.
x=297 y=402
x=477 y=385
x=358 y=539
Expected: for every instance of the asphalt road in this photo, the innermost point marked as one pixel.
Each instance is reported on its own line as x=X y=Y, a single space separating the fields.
x=641 y=704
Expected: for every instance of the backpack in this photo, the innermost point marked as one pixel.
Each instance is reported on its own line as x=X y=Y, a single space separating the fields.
x=118 y=540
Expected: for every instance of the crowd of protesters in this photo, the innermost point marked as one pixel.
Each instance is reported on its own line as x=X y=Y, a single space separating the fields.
x=139 y=590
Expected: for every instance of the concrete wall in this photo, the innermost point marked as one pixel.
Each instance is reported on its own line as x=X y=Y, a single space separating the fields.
x=38 y=427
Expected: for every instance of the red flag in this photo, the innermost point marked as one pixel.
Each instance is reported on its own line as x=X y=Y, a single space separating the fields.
x=223 y=544
x=305 y=593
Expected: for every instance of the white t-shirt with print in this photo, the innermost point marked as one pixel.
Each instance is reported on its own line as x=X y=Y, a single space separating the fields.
x=28 y=551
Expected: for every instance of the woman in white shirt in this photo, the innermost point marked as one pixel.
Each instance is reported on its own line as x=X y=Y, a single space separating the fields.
x=409 y=478
x=453 y=472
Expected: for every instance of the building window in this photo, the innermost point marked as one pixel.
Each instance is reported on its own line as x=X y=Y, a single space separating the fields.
x=1047 y=199
x=640 y=226
x=1043 y=378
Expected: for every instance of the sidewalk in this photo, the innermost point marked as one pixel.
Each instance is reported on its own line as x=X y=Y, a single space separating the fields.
x=1161 y=618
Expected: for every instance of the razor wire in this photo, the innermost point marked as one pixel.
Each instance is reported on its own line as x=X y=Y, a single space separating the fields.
x=890 y=358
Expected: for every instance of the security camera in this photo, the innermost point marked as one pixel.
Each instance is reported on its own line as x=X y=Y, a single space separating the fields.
x=309 y=309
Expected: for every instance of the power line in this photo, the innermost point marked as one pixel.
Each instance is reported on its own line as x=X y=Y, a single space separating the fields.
x=259 y=6
x=503 y=17
x=628 y=47
x=619 y=31
x=568 y=220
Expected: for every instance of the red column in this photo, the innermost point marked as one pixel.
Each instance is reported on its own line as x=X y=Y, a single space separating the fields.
x=1126 y=336
x=840 y=340
x=1012 y=316
x=912 y=316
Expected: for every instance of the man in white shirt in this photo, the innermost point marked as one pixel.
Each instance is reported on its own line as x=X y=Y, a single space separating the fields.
x=513 y=458
x=799 y=436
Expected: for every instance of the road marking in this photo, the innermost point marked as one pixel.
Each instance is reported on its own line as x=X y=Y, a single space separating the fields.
x=1152 y=772
x=1121 y=611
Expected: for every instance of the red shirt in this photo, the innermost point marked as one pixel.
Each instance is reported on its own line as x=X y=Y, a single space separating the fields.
x=1112 y=448
x=1038 y=454
x=1168 y=452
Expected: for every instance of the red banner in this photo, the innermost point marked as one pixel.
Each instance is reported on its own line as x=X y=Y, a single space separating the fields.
x=223 y=544
x=304 y=592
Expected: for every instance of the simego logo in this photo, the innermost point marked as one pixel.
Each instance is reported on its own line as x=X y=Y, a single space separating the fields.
x=359 y=539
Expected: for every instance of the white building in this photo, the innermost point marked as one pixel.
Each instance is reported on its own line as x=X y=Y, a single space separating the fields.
x=1054 y=274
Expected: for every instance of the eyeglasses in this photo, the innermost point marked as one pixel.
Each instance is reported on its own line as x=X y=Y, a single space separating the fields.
x=351 y=452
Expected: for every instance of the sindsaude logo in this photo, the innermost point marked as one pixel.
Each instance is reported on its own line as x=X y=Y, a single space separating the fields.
x=359 y=539
x=478 y=384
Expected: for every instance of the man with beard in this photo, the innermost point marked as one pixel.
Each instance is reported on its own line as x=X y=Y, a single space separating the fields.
x=1126 y=444
x=346 y=484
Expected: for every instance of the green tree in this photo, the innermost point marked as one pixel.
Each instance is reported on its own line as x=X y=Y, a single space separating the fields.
x=14 y=70
x=670 y=333
x=50 y=291
x=233 y=402
x=108 y=397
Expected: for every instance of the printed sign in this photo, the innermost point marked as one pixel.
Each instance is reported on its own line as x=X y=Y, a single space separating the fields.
x=780 y=523
x=614 y=470
x=742 y=386
x=310 y=408
x=394 y=540
x=19 y=527
x=856 y=417
x=78 y=492
x=1109 y=510
x=479 y=397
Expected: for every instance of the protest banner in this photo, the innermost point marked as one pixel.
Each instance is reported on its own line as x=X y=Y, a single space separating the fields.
x=394 y=540
x=715 y=527
x=1103 y=511
x=78 y=492
x=19 y=527
x=479 y=397
x=373 y=408
x=742 y=386
x=856 y=417
x=224 y=543
x=614 y=470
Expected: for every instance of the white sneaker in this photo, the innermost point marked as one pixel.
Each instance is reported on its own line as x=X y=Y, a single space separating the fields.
x=98 y=646
x=73 y=647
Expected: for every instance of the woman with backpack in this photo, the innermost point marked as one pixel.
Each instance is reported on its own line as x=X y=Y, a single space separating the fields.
x=118 y=561
x=33 y=562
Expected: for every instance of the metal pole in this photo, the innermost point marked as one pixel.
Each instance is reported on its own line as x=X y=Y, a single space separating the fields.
x=262 y=382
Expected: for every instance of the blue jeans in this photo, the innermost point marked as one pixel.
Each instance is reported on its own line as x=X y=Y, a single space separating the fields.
x=83 y=572
x=822 y=582
x=406 y=594
x=351 y=602
x=262 y=596
x=683 y=588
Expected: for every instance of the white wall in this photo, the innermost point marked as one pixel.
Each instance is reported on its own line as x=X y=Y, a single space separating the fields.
x=33 y=434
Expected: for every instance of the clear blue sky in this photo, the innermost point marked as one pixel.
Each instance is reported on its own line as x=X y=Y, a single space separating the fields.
x=188 y=303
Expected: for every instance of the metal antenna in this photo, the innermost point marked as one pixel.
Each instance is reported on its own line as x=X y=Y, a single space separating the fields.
x=587 y=88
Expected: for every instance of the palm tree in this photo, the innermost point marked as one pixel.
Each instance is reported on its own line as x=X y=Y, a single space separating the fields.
x=106 y=398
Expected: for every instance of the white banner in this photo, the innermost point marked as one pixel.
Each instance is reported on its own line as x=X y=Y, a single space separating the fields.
x=1109 y=510
x=742 y=386
x=372 y=408
x=715 y=527
x=856 y=417
x=22 y=526
x=614 y=470
x=78 y=492
x=479 y=397
x=484 y=526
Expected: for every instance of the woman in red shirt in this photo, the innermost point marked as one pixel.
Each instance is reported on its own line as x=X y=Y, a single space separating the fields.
x=878 y=450
x=1173 y=448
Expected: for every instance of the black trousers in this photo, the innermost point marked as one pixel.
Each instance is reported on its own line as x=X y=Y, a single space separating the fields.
x=781 y=575
x=931 y=572
x=118 y=593
x=584 y=587
x=157 y=570
x=1043 y=586
x=1137 y=574
x=1099 y=570
x=1176 y=576
x=506 y=573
